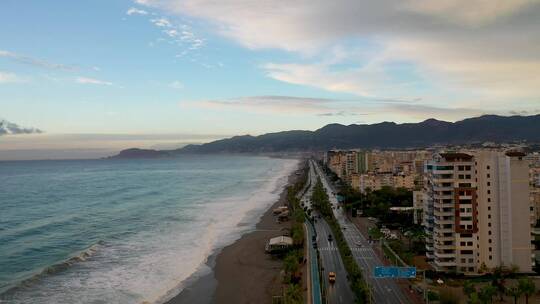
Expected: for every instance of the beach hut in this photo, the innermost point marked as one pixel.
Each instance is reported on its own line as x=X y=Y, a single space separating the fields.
x=279 y=244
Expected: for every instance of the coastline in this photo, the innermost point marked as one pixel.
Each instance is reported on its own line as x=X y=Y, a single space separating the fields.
x=241 y=272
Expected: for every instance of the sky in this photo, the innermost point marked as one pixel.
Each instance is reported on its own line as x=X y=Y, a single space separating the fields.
x=105 y=75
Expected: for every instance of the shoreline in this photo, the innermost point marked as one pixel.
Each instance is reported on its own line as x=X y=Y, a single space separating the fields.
x=241 y=272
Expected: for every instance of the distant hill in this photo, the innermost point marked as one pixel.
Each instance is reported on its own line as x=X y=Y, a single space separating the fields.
x=490 y=128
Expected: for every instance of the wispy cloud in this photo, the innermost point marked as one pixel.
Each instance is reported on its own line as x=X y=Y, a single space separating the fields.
x=136 y=11
x=7 y=77
x=36 y=62
x=174 y=32
x=86 y=80
x=285 y=105
x=176 y=85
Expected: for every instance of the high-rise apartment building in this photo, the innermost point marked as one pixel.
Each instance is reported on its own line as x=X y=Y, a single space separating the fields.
x=450 y=212
x=504 y=210
x=477 y=211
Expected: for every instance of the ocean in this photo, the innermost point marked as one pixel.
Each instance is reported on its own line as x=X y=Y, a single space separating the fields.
x=124 y=231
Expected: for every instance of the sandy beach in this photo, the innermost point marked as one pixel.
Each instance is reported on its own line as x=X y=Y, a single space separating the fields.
x=242 y=272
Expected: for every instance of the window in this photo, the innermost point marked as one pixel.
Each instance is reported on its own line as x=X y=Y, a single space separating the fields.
x=489 y=207
x=488 y=176
x=489 y=241
x=489 y=200
x=463 y=260
x=489 y=216
x=462 y=243
x=489 y=232
x=489 y=192
x=489 y=224
x=469 y=243
x=490 y=249
x=471 y=260
x=467 y=167
x=488 y=167
x=489 y=184
x=490 y=258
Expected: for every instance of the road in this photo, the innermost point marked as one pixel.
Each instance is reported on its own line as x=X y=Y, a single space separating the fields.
x=340 y=291
x=383 y=290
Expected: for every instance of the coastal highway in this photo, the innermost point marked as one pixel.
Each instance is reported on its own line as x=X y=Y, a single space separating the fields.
x=383 y=290
x=340 y=291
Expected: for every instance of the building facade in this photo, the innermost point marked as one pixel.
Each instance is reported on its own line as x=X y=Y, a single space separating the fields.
x=477 y=211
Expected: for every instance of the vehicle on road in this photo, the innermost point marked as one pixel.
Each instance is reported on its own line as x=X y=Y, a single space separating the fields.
x=329 y=237
x=359 y=244
x=332 y=277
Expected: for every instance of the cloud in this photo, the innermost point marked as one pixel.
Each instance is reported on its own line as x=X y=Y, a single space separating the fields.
x=161 y=22
x=341 y=110
x=339 y=114
x=421 y=112
x=466 y=11
x=176 y=85
x=283 y=105
x=6 y=77
x=136 y=11
x=458 y=49
x=36 y=62
x=86 y=80
x=7 y=127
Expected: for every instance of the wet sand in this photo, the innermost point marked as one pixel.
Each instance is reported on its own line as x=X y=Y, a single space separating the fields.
x=242 y=272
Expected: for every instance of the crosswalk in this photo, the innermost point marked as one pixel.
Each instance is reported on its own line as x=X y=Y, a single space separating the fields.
x=355 y=249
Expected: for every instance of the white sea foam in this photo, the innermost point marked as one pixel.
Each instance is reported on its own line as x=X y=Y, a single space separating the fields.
x=152 y=266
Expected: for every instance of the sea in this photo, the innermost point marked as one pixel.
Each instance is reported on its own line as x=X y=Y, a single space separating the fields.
x=124 y=231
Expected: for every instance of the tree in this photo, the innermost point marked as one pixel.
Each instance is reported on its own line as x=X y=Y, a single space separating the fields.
x=293 y=294
x=514 y=292
x=473 y=298
x=527 y=287
x=468 y=288
x=486 y=294
x=290 y=264
x=499 y=281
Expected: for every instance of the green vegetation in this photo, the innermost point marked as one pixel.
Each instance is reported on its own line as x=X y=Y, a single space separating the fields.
x=293 y=260
x=321 y=203
x=525 y=287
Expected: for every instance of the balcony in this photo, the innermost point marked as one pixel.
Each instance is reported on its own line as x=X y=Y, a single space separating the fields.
x=442 y=255
x=443 y=213
x=438 y=245
x=444 y=264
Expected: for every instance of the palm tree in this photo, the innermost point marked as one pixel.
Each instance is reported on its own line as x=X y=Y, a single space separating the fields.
x=473 y=298
x=294 y=294
x=527 y=287
x=486 y=294
x=290 y=264
x=468 y=288
x=499 y=281
x=514 y=292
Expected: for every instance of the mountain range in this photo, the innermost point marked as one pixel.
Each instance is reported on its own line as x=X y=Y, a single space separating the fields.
x=487 y=128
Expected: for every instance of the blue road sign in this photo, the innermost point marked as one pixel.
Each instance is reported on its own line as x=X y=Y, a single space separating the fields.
x=394 y=272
